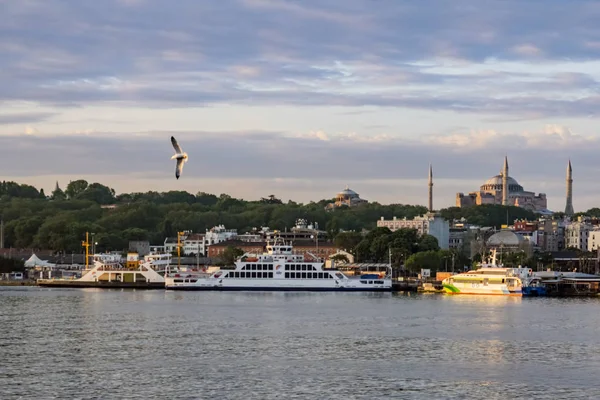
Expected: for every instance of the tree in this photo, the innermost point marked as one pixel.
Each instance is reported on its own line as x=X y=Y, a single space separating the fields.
x=428 y=242
x=74 y=188
x=97 y=193
x=427 y=260
x=230 y=255
x=348 y=241
x=339 y=258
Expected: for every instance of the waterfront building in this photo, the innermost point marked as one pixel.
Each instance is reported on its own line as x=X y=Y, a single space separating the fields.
x=503 y=189
x=430 y=224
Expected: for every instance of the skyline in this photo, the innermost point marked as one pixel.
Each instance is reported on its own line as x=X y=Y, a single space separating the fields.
x=300 y=99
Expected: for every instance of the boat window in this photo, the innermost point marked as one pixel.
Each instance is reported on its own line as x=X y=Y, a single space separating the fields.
x=286 y=275
x=378 y=282
x=271 y=267
x=253 y=275
x=270 y=274
x=363 y=282
x=303 y=275
x=313 y=268
x=320 y=275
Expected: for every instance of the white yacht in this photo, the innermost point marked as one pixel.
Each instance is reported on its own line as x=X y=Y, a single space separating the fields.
x=495 y=279
x=279 y=269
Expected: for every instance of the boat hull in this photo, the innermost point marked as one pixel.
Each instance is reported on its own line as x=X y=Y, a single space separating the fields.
x=103 y=285
x=277 y=289
x=500 y=290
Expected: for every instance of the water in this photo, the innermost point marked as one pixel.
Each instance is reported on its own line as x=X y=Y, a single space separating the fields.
x=117 y=344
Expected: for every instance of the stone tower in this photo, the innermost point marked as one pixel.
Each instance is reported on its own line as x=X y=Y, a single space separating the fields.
x=505 y=182
x=569 y=207
x=430 y=202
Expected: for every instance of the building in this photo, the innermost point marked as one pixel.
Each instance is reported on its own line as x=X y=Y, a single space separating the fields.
x=506 y=242
x=594 y=240
x=569 y=206
x=493 y=192
x=216 y=249
x=193 y=244
x=219 y=234
x=346 y=198
x=577 y=232
x=141 y=247
x=551 y=235
x=301 y=231
x=430 y=224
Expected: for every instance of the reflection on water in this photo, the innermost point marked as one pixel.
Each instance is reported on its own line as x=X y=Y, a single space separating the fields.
x=91 y=343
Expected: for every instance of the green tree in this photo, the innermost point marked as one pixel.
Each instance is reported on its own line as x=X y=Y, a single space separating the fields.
x=427 y=243
x=230 y=255
x=427 y=260
x=97 y=193
x=75 y=188
x=348 y=241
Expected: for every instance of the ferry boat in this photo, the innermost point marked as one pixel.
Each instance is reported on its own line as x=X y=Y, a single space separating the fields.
x=491 y=279
x=108 y=271
x=279 y=269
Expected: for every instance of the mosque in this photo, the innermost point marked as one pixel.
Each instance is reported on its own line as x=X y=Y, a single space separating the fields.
x=346 y=198
x=505 y=190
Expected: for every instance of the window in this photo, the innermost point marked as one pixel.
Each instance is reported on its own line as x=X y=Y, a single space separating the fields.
x=303 y=275
x=270 y=274
x=253 y=274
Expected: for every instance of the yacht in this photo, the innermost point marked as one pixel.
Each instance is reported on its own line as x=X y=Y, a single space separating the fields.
x=496 y=280
x=279 y=269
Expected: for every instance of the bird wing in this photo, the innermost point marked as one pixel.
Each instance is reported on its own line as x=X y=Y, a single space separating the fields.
x=179 y=168
x=176 y=145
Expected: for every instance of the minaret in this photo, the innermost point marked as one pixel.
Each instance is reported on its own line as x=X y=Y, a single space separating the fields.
x=569 y=207
x=430 y=203
x=505 y=182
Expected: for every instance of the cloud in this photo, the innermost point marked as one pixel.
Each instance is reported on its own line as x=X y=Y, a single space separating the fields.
x=310 y=53
x=341 y=159
x=24 y=117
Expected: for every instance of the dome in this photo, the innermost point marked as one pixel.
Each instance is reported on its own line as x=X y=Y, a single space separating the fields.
x=505 y=238
x=495 y=183
x=497 y=180
x=348 y=192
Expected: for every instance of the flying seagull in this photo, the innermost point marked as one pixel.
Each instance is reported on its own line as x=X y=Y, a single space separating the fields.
x=180 y=156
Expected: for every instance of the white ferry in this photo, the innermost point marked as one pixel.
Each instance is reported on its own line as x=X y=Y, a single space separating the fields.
x=108 y=271
x=279 y=269
x=496 y=280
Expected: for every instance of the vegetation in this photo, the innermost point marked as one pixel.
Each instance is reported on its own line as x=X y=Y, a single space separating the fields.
x=59 y=221
x=8 y=265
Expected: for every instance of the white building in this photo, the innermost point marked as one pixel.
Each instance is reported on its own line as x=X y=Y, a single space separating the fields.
x=593 y=240
x=577 y=232
x=430 y=224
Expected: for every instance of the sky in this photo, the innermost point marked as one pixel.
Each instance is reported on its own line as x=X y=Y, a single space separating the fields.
x=301 y=98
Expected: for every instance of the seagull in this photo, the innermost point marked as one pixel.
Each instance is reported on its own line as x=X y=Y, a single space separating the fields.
x=180 y=156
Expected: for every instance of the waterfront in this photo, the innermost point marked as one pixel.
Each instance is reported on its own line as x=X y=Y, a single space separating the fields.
x=93 y=343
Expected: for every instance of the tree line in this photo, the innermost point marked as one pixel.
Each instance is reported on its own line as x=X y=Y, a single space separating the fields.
x=60 y=220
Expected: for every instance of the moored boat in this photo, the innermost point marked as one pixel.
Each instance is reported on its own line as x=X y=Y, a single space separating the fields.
x=279 y=269
x=108 y=271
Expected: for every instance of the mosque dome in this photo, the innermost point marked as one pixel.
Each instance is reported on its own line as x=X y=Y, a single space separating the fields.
x=495 y=184
x=505 y=238
x=347 y=193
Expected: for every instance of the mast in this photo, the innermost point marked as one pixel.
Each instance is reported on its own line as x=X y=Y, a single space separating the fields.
x=86 y=244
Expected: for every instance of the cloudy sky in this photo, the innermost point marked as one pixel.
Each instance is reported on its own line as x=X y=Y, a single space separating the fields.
x=300 y=98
